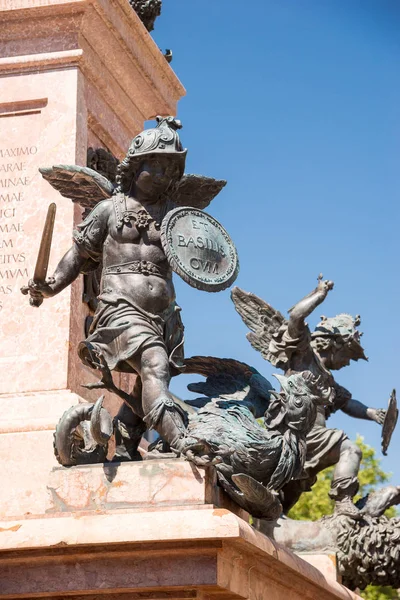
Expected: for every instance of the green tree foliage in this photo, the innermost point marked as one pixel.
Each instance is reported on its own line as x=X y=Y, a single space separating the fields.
x=380 y=593
x=312 y=506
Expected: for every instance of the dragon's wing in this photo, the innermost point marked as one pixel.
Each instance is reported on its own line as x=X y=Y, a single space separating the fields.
x=210 y=365
x=230 y=379
x=225 y=377
x=197 y=191
x=261 y=318
x=81 y=184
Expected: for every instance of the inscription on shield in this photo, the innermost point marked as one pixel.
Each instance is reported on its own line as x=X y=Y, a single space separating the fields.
x=199 y=249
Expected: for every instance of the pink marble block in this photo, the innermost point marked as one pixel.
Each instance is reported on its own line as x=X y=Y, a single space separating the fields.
x=154 y=529
x=147 y=484
x=73 y=74
x=64 y=69
x=198 y=552
x=326 y=563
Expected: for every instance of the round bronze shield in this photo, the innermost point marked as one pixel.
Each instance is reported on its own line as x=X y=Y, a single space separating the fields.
x=199 y=249
x=390 y=422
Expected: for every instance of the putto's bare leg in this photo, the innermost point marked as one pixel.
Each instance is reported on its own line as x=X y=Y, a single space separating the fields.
x=345 y=482
x=129 y=429
x=160 y=411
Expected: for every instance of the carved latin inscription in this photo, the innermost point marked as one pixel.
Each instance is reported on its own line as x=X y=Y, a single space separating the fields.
x=14 y=180
x=199 y=249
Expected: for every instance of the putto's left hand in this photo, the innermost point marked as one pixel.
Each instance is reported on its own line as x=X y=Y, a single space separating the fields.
x=324 y=286
x=377 y=414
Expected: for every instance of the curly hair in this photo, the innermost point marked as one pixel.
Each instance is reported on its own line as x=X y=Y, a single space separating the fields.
x=124 y=170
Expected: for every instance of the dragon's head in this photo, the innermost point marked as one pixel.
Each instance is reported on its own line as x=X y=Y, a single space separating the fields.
x=295 y=407
x=337 y=340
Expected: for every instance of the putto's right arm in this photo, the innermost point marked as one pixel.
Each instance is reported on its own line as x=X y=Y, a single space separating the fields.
x=306 y=306
x=84 y=255
x=67 y=269
x=90 y=235
x=66 y=272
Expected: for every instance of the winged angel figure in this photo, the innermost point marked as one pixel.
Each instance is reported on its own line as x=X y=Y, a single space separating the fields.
x=290 y=346
x=137 y=326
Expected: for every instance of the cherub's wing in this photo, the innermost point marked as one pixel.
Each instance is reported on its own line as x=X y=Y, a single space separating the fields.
x=197 y=191
x=81 y=184
x=261 y=318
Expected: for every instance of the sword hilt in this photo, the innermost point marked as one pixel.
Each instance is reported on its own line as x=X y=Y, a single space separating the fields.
x=32 y=301
x=42 y=262
x=36 y=301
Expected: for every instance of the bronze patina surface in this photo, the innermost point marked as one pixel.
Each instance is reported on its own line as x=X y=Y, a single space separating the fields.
x=42 y=261
x=136 y=325
x=199 y=249
x=292 y=347
x=390 y=422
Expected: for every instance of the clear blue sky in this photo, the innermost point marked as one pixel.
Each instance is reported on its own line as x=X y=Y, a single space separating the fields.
x=296 y=103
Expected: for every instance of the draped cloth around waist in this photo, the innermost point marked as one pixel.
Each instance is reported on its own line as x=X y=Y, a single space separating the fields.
x=120 y=331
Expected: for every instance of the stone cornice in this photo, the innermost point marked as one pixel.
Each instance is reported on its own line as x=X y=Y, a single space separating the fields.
x=201 y=547
x=109 y=44
x=43 y=61
x=15 y=5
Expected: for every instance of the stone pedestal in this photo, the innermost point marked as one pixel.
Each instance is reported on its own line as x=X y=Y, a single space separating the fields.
x=73 y=74
x=146 y=531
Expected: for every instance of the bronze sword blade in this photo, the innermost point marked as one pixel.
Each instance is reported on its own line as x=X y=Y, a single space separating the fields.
x=42 y=261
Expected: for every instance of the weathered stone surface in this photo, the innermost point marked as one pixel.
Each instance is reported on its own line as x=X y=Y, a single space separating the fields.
x=159 y=554
x=125 y=485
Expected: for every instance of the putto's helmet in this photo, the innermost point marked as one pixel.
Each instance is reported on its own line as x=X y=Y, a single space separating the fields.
x=162 y=140
x=344 y=327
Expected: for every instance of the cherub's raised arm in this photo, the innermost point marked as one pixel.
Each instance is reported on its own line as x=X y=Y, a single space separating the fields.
x=300 y=311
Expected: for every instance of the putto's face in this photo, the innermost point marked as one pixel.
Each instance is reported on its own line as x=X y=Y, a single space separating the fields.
x=339 y=355
x=338 y=359
x=155 y=175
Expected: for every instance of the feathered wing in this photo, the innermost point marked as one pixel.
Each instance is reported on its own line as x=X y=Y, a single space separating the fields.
x=197 y=191
x=81 y=184
x=225 y=377
x=88 y=187
x=228 y=379
x=210 y=365
x=262 y=319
